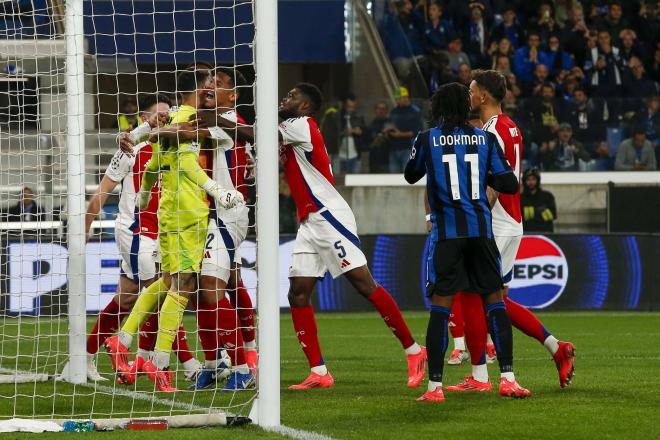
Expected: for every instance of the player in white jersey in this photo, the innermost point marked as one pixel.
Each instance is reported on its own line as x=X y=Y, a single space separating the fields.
x=488 y=89
x=327 y=239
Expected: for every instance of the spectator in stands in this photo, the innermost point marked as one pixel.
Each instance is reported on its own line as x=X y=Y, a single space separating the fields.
x=527 y=57
x=629 y=47
x=543 y=114
x=538 y=206
x=613 y=22
x=539 y=78
x=464 y=74
x=603 y=68
x=500 y=49
x=402 y=38
x=648 y=25
x=127 y=119
x=438 y=30
x=476 y=35
x=563 y=152
x=544 y=23
x=649 y=118
x=574 y=35
x=636 y=153
x=407 y=122
x=26 y=210
x=555 y=59
x=435 y=69
x=509 y=28
x=567 y=82
x=563 y=10
x=456 y=54
x=637 y=85
x=378 y=139
x=347 y=127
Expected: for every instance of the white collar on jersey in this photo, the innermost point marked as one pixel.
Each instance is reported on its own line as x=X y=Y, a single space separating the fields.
x=230 y=116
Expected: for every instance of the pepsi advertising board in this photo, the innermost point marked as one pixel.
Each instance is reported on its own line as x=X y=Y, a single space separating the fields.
x=551 y=272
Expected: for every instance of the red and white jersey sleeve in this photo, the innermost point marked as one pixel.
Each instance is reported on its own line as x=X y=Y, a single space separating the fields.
x=229 y=157
x=307 y=167
x=507 y=219
x=128 y=170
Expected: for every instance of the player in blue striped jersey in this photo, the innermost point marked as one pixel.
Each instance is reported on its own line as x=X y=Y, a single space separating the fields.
x=459 y=162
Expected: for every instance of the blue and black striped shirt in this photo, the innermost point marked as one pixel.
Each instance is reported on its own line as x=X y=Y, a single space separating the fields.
x=458 y=162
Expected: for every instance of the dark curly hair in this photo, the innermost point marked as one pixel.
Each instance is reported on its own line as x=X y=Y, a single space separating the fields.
x=450 y=104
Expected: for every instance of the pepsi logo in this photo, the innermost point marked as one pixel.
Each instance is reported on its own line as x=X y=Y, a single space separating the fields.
x=539 y=274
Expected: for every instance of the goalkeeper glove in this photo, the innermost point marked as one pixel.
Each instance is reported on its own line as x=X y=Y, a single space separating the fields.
x=143 y=199
x=226 y=198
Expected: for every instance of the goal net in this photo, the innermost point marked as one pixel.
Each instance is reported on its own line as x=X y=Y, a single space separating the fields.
x=74 y=76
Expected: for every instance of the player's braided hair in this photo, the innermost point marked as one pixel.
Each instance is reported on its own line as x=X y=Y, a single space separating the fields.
x=189 y=80
x=450 y=104
x=313 y=94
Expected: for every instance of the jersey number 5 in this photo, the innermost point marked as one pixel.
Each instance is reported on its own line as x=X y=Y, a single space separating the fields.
x=473 y=160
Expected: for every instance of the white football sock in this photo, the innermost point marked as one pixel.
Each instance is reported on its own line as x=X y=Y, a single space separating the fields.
x=508 y=376
x=459 y=343
x=480 y=373
x=190 y=364
x=126 y=339
x=212 y=364
x=552 y=344
x=321 y=370
x=144 y=354
x=434 y=385
x=414 y=349
x=250 y=345
x=243 y=369
x=489 y=340
x=161 y=359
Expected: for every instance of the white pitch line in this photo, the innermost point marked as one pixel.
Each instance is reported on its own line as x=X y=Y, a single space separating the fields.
x=298 y=434
x=144 y=396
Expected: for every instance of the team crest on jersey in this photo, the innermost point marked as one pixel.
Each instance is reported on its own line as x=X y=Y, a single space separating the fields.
x=513 y=131
x=540 y=272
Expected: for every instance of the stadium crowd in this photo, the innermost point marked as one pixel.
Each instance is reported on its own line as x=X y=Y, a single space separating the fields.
x=583 y=80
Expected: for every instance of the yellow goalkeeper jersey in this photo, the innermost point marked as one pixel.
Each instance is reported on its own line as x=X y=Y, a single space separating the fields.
x=183 y=203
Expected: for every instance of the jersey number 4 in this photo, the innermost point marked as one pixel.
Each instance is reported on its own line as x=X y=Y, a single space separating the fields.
x=473 y=160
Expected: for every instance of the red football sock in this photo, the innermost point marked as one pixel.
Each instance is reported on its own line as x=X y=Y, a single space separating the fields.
x=230 y=337
x=208 y=332
x=476 y=327
x=243 y=303
x=304 y=323
x=106 y=325
x=148 y=333
x=525 y=321
x=392 y=316
x=180 y=345
x=456 y=322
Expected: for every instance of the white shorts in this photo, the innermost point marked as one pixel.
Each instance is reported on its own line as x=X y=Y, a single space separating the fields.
x=139 y=255
x=326 y=241
x=223 y=241
x=508 y=247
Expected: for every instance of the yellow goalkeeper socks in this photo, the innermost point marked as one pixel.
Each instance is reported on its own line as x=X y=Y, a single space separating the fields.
x=171 y=316
x=146 y=303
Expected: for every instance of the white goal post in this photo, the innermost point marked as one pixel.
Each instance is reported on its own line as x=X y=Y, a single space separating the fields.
x=37 y=345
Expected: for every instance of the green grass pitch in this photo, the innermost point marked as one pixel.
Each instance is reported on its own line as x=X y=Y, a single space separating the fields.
x=615 y=394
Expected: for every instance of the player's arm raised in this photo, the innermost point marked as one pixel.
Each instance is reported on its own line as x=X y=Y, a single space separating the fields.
x=416 y=166
x=189 y=167
x=500 y=175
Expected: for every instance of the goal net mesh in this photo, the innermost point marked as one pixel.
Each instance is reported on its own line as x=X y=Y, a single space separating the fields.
x=131 y=50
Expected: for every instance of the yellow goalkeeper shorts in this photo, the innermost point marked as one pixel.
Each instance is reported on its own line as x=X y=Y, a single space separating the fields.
x=183 y=251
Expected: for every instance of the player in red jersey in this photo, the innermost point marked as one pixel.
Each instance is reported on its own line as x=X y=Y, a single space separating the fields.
x=327 y=238
x=137 y=241
x=488 y=89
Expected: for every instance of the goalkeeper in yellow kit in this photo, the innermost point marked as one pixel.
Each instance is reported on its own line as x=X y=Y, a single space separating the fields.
x=182 y=222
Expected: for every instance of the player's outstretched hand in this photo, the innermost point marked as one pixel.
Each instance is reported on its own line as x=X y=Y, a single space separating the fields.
x=143 y=199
